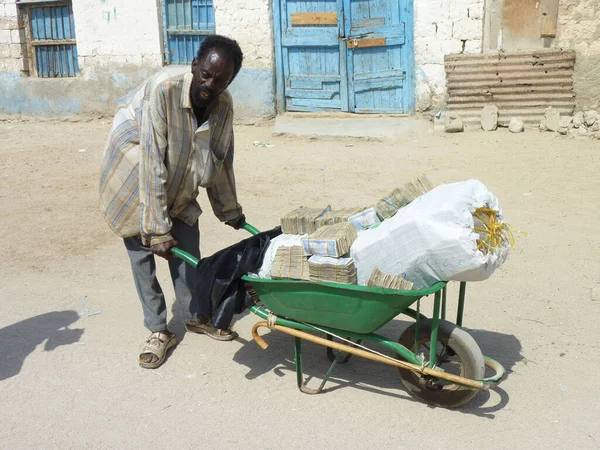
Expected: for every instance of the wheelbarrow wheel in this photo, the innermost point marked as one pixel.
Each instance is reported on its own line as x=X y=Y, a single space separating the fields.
x=334 y=355
x=457 y=353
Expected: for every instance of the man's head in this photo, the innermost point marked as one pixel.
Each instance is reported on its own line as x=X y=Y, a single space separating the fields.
x=217 y=63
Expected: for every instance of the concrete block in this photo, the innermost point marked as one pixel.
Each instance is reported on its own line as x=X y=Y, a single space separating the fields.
x=15 y=36
x=16 y=50
x=516 y=125
x=473 y=46
x=10 y=10
x=454 y=124
x=4 y=51
x=552 y=117
x=466 y=29
x=11 y=65
x=457 y=10
x=5 y=37
x=451 y=46
x=489 y=118
x=430 y=11
x=432 y=53
x=8 y=23
x=475 y=11
x=443 y=29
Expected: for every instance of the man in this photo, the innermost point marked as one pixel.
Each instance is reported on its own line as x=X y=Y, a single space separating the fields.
x=169 y=137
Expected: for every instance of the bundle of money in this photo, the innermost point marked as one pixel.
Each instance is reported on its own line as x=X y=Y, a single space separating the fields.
x=337 y=216
x=335 y=270
x=290 y=263
x=331 y=240
x=402 y=196
x=364 y=219
x=302 y=220
x=380 y=279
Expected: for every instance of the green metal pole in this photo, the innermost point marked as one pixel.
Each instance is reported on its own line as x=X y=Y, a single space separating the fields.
x=250 y=229
x=298 y=361
x=193 y=261
x=417 y=328
x=461 y=303
x=444 y=303
x=394 y=346
x=434 y=330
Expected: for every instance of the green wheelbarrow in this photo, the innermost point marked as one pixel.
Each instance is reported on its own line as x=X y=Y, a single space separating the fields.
x=438 y=362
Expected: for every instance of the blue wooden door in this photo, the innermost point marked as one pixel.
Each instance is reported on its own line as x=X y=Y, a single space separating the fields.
x=313 y=58
x=348 y=55
x=379 y=55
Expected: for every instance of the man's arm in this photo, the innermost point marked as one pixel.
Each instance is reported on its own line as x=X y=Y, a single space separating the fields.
x=155 y=223
x=222 y=194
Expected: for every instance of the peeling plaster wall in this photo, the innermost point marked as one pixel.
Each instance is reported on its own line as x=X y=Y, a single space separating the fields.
x=119 y=44
x=443 y=27
x=579 y=29
x=250 y=24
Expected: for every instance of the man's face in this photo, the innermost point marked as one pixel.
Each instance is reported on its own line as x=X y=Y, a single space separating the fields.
x=212 y=75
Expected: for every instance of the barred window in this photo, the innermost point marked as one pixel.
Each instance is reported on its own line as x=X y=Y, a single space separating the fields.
x=187 y=23
x=52 y=46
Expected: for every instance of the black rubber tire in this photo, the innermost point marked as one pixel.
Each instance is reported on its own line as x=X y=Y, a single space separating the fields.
x=462 y=346
x=334 y=355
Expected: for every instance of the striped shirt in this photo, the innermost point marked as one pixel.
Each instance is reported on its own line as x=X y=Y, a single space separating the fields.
x=156 y=158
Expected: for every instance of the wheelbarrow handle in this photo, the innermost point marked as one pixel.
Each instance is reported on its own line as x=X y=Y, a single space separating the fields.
x=250 y=229
x=193 y=261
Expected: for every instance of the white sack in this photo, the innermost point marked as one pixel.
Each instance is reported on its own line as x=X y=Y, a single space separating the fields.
x=431 y=239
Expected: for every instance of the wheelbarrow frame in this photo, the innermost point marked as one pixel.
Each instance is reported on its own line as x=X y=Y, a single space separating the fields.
x=405 y=358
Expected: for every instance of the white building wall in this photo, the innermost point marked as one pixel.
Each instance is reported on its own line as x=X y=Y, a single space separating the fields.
x=443 y=27
x=250 y=23
x=120 y=43
x=11 y=56
x=117 y=32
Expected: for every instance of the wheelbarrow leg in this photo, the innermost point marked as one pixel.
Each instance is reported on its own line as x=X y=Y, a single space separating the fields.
x=300 y=375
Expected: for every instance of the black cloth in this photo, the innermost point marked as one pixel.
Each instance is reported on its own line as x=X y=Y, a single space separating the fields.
x=219 y=293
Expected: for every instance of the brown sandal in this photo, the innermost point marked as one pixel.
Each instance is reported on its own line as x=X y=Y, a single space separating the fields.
x=157 y=344
x=210 y=331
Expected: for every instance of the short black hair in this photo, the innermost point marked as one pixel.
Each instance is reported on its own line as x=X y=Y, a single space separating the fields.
x=228 y=46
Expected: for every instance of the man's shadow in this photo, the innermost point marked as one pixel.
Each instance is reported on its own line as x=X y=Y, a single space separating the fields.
x=20 y=339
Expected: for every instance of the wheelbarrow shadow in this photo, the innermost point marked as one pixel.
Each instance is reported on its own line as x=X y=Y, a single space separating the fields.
x=369 y=376
x=20 y=339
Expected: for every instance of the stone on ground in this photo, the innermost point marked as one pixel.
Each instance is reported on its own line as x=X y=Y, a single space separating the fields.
x=516 y=125
x=552 y=117
x=590 y=118
x=454 y=124
x=489 y=118
x=578 y=119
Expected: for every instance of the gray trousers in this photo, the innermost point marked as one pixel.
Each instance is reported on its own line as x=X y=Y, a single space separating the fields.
x=183 y=275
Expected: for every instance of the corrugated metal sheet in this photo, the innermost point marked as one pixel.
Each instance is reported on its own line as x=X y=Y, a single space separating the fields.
x=519 y=84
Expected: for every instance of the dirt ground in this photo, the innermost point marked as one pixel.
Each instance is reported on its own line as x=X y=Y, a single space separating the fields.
x=71 y=382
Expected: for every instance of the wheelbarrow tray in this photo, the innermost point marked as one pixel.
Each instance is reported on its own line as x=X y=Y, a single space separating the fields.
x=359 y=309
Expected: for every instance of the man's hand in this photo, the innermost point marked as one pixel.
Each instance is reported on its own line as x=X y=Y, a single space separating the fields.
x=237 y=223
x=164 y=249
